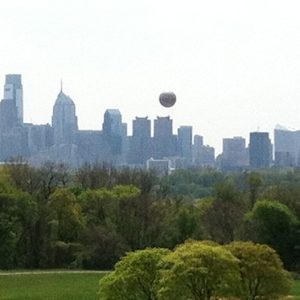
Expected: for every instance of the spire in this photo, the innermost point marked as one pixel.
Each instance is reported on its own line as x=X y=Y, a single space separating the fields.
x=61 y=85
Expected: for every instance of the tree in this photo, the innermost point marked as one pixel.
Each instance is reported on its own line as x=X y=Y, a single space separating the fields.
x=255 y=182
x=65 y=223
x=198 y=271
x=272 y=223
x=179 y=223
x=135 y=276
x=100 y=249
x=224 y=216
x=261 y=270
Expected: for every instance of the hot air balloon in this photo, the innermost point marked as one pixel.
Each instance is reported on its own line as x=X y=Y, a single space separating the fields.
x=167 y=99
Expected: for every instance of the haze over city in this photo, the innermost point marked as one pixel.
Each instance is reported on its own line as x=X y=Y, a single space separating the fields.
x=234 y=66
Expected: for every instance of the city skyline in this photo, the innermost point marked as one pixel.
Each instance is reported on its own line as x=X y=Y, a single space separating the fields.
x=60 y=90
x=233 y=70
x=63 y=141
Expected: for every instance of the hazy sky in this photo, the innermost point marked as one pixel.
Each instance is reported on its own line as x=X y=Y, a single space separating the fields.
x=234 y=65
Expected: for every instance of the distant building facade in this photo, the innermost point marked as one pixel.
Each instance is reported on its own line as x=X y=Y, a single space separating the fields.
x=112 y=130
x=260 y=150
x=64 y=120
x=160 y=166
x=203 y=156
x=13 y=91
x=165 y=143
x=140 y=142
x=185 y=136
x=235 y=155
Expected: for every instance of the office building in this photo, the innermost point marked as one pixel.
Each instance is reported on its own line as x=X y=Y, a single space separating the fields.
x=113 y=130
x=140 y=142
x=64 y=120
x=164 y=142
x=235 y=154
x=260 y=150
x=185 y=135
x=13 y=91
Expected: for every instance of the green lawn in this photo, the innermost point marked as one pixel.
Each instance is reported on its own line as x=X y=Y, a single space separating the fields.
x=61 y=286
x=50 y=286
x=296 y=289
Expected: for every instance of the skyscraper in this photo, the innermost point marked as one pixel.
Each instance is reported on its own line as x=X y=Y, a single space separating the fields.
x=13 y=90
x=235 y=154
x=64 y=120
x=140 y=141
x=185 y=135
x=113 y=130
x=164 y=140
x=260 y=150
x=287 y=146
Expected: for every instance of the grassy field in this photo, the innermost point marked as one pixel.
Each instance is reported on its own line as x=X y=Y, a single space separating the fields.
x=50 y=286
x=296 y=290
x=61 y=286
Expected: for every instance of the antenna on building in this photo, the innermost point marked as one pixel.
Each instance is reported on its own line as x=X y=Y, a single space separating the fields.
x=61 y=85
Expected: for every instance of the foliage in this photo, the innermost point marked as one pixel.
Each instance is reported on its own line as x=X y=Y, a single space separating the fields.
x=223 y=217
x=54 y=217
x=199 y=271
x=274 y=224
x=135 y=277
x=262 y=273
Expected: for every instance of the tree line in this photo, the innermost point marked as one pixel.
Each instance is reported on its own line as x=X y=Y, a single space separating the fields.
x=52 y=217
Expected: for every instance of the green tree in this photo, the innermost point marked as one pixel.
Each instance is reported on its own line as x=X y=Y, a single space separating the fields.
x=17 y=217
x=224 y=216
x=272 y=223
x=65 y=223
x=198 y=271
x=262 y=273
x=135 y=276
x=255 y=181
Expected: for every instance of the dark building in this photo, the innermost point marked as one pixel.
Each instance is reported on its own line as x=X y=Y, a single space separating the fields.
x=140 y=142
x=260 y=150
x=185 y=135
x=164 y=142
x=113 y=130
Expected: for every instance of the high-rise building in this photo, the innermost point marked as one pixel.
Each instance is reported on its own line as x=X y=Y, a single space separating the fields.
x=260 y=150
x=13 y=90
x=112 y=130
x=185 y=135
x=287 y=147
x=140 y=141
x=198 y=140
x=163 y=139
x=64 y=120
x=40 y=137
x=8 y=115
x=235 y=154
x=203 y=156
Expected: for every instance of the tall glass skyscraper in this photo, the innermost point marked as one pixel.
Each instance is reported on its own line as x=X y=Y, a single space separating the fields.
x=13 y=90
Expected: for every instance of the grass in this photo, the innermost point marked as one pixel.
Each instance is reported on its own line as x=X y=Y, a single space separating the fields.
x=296 y=290
x=61 y=286
x=45 y=286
